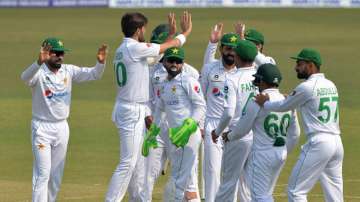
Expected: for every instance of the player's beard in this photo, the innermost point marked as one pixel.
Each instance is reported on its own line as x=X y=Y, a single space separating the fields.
x=302 y=75
x=56 y=64
x=173 y=71
x=228 y=59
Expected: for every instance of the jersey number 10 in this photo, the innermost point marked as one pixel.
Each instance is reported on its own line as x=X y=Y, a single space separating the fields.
x=120 y=73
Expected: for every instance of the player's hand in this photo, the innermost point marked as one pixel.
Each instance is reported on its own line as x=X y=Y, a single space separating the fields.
x=172 y=24
x=214 y=137
x=260 y=99
x=102 y=53
x=225 y=136
x=216 y=33
x=186 y=23
x=44 y=54
x=240 y=29
x=148 y=121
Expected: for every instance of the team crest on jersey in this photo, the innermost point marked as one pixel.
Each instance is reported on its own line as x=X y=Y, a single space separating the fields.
x=41 y=146
x=65 y=81
x=216 y=92
x=197 y=89
x=216 y=77
x=158 y=92
x=173 y=89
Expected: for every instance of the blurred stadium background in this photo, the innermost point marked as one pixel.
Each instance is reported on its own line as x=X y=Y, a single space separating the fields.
x=94 y=144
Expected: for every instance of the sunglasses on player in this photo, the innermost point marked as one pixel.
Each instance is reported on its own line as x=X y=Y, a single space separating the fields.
x=58 y=53
x=176 y=60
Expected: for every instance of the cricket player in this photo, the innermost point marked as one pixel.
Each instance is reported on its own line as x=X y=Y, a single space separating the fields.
x=51 y=84
x=213 y=79
x=132 y=101
x=238 y=90
x=181 y=98
x=156 y=159
x=322 y=155
x=275 y=134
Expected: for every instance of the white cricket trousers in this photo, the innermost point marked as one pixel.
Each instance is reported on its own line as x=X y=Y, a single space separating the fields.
x=263 y=169
x=183 y=169
x=212 y=160
x=129 y=173
x=235 y=154
x=320 y=159
x=49 y=145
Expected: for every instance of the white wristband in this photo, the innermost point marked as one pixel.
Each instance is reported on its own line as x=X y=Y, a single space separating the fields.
x=181 y=38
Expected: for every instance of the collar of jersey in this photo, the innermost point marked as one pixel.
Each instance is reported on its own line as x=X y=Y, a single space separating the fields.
x=316 y=75
x=246 y=68
x=271 y=90
x=48 y=71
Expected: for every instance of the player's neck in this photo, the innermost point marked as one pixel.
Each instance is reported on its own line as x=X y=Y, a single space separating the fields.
x=52 y=69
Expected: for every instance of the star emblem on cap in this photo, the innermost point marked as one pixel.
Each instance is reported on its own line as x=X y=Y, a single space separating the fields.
x=233 y=39
x=175 y=51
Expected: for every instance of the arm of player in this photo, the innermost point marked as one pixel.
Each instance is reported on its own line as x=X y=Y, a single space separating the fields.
x=197 y=100
x=179 y=40
x=204 y=78
x=229 y=106
x=29 y=75
x=215 y=36
x=245 y=123
x=299 y=96
x=159 y=108
x=293 y=133
x=81 y=74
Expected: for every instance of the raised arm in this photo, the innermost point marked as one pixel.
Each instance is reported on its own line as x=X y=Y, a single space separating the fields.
x=29 y=75
x=215 y=37
x=81 y=74
x=186 y=27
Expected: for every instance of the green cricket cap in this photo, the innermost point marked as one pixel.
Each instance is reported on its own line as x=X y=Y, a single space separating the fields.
x=175 y=53
x=160 y=34
x=55 y=43
x=310 y=55
x=254 y=36
x=230 y=39
x=268 y=73
x=246 y=50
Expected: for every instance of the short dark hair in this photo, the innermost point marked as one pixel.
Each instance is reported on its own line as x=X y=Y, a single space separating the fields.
x=130 y=22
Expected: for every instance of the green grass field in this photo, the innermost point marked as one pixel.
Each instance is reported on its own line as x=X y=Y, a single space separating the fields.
x=94 y=144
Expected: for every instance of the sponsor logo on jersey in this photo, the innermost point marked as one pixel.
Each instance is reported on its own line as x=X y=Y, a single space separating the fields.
x=172 y=102
x=216 y=92
x=49 y=94
x=158 y=92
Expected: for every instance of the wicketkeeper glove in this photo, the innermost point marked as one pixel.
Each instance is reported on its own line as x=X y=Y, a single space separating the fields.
x=150 y=140
x=180 y=136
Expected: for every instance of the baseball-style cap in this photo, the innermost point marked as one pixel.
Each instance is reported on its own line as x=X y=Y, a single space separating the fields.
x=310 y=55
x=55 y=43
x=230 y=39
x=160 y=34
x=175 y=53
x=268 y=73
x=254 y=36
x=246 y=50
